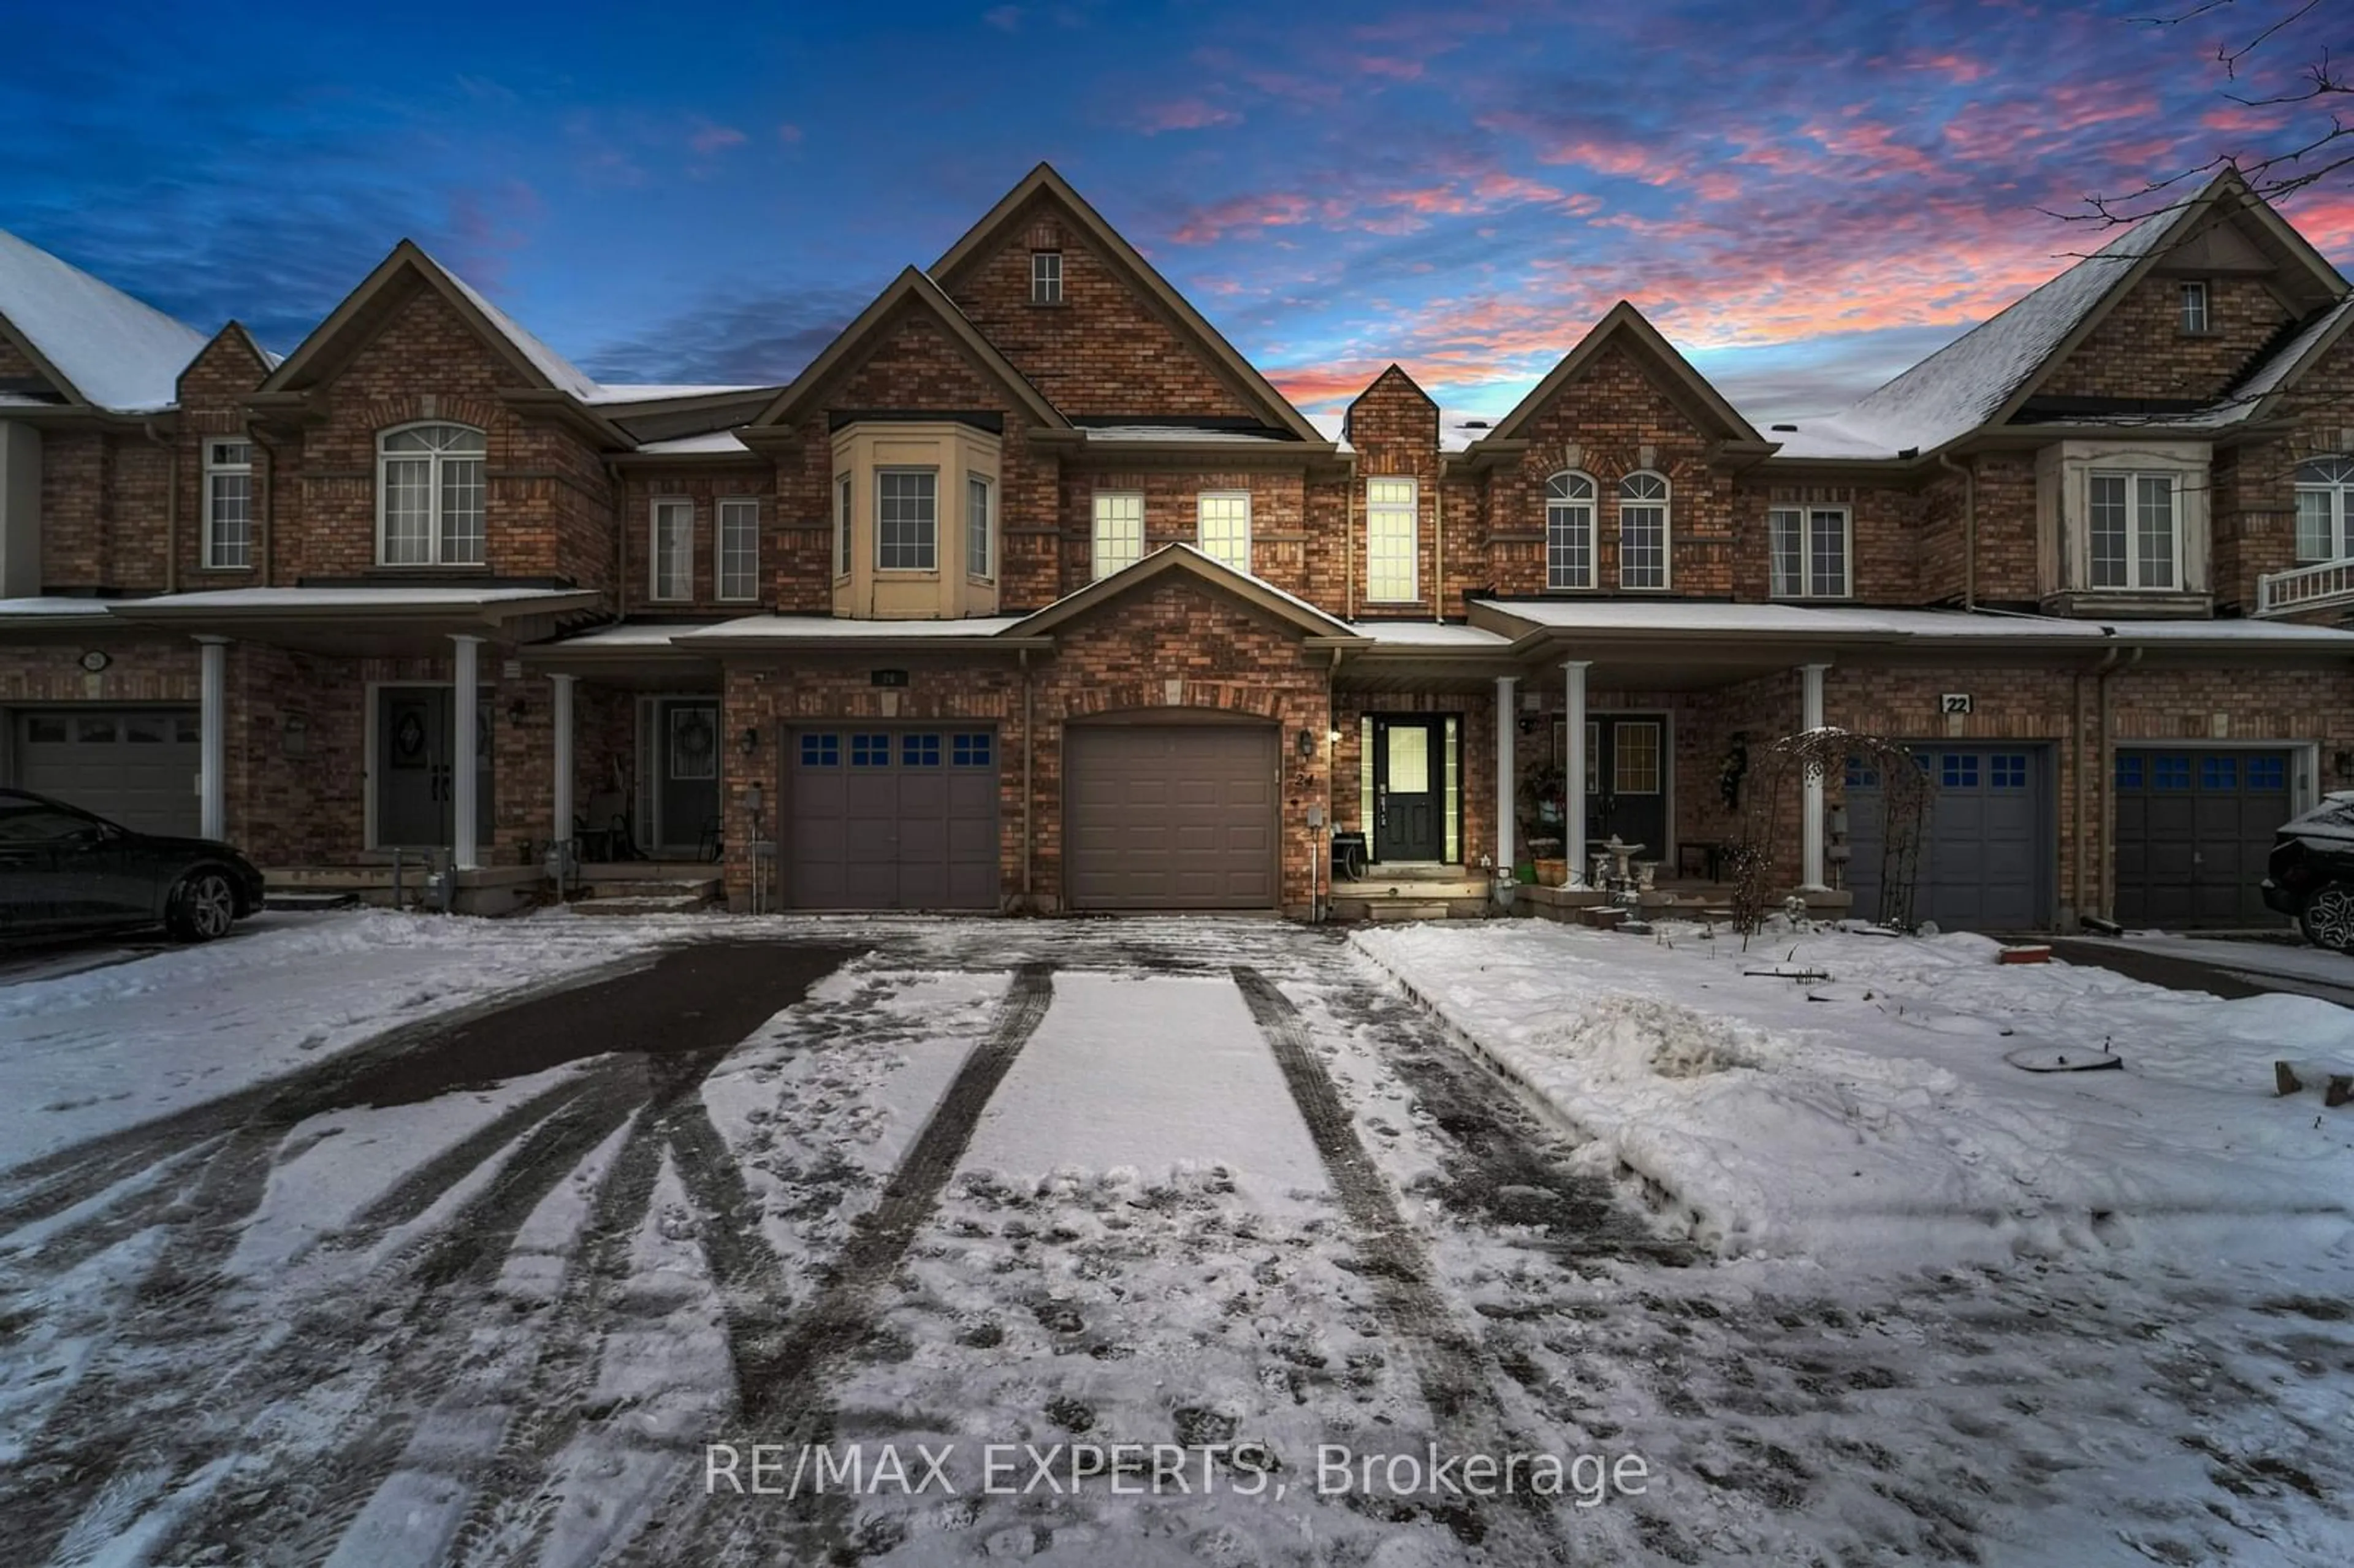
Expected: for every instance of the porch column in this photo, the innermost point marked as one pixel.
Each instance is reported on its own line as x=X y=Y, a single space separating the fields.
x=1506 y=720
x=1810 y=812
x=1573 y=792
x=465 y=855
x=560 y=794
x=212 y=738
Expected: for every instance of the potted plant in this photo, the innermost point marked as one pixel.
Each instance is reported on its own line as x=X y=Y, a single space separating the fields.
x=1551 y=866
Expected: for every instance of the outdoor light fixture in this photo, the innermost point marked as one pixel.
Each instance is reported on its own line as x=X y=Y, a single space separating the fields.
x=1305 y=744
x=747 y=743
x=518 y=710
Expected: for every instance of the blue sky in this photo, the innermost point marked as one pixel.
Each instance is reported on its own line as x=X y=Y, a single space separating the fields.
x=1806 y=196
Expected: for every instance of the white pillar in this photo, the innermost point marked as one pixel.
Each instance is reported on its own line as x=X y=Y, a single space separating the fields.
x=1573 y=794
x=561 y=792
x=465 y=855
x=1810 y=818
x=1506 y=722
x=212 y=738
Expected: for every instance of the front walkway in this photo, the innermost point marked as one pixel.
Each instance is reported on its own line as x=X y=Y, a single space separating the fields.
x=1077 y=1189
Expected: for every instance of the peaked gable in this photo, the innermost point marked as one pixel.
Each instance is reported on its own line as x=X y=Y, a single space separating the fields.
x=987 y=270
x=232 y=363
x=1185 y=562
x=911 y=291
x=1626 y=325
x=90 y=342
x=396 y=280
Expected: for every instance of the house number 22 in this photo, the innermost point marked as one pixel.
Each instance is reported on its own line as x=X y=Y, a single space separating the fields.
x=1954 y=703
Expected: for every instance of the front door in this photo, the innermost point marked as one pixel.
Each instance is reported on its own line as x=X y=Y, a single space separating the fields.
x=416 y=752
x=1627 y=781
x=1409 y=820
x=687 y=798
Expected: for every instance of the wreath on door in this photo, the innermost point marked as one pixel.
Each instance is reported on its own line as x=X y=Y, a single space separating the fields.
x=693 y=740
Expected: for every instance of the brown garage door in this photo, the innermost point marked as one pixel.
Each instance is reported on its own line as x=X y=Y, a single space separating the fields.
x=891 y=818
x=1172 y=816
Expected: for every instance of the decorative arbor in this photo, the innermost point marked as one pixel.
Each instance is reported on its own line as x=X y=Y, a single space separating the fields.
x=1904 y=793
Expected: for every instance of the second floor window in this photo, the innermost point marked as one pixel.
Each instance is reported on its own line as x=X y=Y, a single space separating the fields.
x=1809 y=549
x=1643 y=531
x=1045 y=277
x=739 y=575
x=1569 y=531
x=229 y=503
x=2135 y=531
x=977 y=525
x=429 y=494
x=907 y=520
x=673 y=549
x=1120 y=531
x=841 y=521
x=1224 y=519
x=2324 y=509
x=2194 y=307
x=1393 y=541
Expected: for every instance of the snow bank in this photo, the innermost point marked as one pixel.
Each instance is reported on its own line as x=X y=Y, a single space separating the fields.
x=99 y=1050
x=1870 y=1117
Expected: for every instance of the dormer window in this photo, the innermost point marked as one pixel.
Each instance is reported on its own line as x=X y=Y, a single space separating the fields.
x=915 y=519
x=2194 y=308
x=1045 y=277
x=429 y=494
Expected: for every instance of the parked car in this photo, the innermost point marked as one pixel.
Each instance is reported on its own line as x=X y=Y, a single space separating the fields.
x=65 y=870
x=2311 y=872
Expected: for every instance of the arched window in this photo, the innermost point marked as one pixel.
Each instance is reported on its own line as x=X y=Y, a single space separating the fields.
x=429 y=496
x=1569 y=531
x=1643 y=531
x=2324 y=509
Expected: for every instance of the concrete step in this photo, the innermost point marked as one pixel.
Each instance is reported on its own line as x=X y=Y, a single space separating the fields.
x=701 y=887
x=642 y=903
x=1413 y=890
x=312 y=901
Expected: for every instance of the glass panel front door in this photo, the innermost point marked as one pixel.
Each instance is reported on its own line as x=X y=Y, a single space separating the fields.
x=1408 y=805
x=1626 y=783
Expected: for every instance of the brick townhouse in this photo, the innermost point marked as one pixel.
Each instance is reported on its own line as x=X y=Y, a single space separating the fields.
x=1032 y=594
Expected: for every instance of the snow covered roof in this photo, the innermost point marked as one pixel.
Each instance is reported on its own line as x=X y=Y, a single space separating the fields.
x=295 y=600
x=1428 y=634
x=831 y=628
x=691 y=446
x=561 y=373
x=1458 y=428
x=2283 y=367
x=627 y=636
x=116 y=353
x=1669 y=617
x=49 y=607
x=661 y=392
x=1118 y=433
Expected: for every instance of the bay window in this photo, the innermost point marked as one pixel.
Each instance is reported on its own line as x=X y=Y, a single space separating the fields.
x=977 y=521
x=907 y=520
x=2134 y=530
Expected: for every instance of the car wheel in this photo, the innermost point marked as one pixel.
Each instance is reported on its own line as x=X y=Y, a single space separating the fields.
x=203 y=906
x=2328 y=918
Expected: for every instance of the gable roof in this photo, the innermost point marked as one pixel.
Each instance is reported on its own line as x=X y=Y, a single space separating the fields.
x=1181 y=557
x=1985 y=375
x=2280 y=372
x=915 y=289
x=1044 y=180
x=98 y=344
x=539 y=365
x=1624 y=319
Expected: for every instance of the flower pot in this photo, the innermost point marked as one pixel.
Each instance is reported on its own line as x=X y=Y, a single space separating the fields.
x=1553 y=872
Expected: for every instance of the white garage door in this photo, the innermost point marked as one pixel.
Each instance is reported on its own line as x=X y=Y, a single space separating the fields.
x=135 y=766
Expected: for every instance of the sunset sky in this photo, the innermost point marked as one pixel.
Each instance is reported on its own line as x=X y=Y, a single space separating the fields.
x=1806 y=196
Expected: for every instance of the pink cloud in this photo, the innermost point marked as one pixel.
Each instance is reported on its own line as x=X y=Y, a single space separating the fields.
x=1183 y=114
x=1395 y=68
x=709 y=139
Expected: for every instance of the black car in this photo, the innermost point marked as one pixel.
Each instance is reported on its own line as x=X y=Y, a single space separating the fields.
x=63 y=870
x=2311 y=872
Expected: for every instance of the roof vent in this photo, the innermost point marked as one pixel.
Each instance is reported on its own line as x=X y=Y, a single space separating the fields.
x=1475 y=424
x=1909 y=453
x=1791 y=429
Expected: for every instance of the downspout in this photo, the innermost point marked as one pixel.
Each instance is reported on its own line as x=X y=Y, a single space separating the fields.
x=171 y=512
x=1969 y=528
x=1349 y=548
x=268 y=456
x=620 y=539
x=1029 y=750
x=2108 y=793
x=1319 y=862
x=1438 y=544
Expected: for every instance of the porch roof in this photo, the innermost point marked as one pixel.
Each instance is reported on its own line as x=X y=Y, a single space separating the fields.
x=356 y=619
x=1533 y=621
x=49 y=610
x=754 y=632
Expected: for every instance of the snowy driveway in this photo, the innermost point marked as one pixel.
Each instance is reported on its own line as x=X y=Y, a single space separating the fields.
x=999 y=1208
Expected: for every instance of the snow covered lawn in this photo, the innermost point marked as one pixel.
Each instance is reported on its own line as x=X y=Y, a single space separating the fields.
x=1864 y=1110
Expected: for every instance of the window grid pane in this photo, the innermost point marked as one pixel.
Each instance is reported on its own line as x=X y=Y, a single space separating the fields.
x=970 y=750
x=2108 y=530
x=2267 y=773
x=1642 y=546
x=1045 y=277
x=1958 y=770
x=1392 y=540
x=461 y=511
x=740 y=549
x=2129 y=772
x=977 y=525
x=2169 y=772
x=2006 y=771
x=1827 y=555
x=919 y=750
x=842 y=517
x=870 y=751
x=230 y=508
x=1119 y=531
x=1635 y=759
x=1569 y=533
x=2154 y=532
x=1784 y=548
x=907 y=532
x=408 y=511
x=673 y=549
x=1224 y=528
x=820 y=751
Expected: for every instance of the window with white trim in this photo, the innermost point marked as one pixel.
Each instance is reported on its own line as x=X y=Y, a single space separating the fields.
x=229 y=503
x=1643 y=503
x=842 y=525
x=907 y=520
x=673 y=548
x=2135 y=531
x=978 y=522
x=1809 y=546
x=739 y=575
x=1569 y=531
x=2194 y=307
x=1045 y=277
x=1222 y=526
x=1119 y=530
x=429 y=492
x=2324 y=509
x=1393 y=541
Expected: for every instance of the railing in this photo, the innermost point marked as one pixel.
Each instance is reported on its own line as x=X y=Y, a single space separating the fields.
x=2308 y=587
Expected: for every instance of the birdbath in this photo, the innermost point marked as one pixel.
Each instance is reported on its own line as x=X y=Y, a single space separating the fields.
x=1623 y=854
